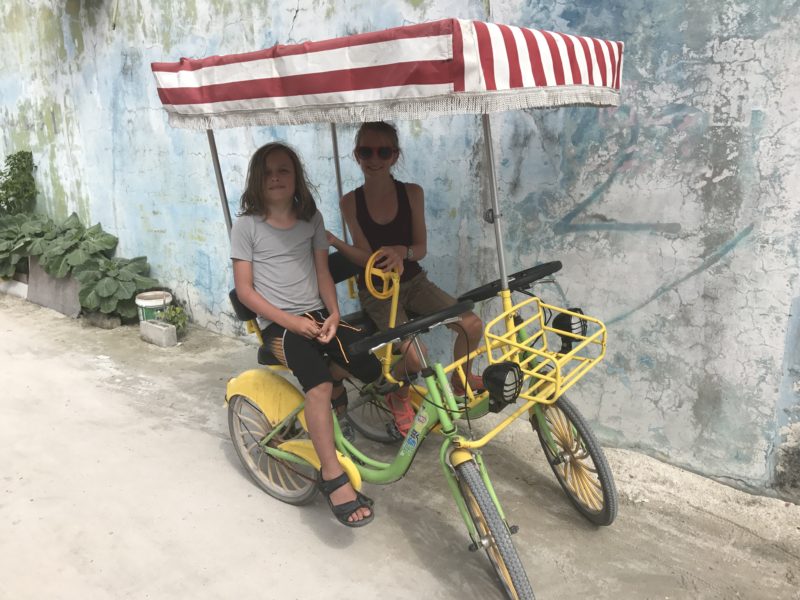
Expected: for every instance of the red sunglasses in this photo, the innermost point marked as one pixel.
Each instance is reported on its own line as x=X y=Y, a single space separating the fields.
x=383 y=152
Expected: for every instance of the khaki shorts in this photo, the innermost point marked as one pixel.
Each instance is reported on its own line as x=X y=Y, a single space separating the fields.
x=418 y=296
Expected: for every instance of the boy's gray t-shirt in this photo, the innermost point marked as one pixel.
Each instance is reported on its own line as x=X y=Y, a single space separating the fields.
x=283 y=260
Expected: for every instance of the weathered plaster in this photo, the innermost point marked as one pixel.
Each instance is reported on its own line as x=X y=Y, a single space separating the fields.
x=674 y=215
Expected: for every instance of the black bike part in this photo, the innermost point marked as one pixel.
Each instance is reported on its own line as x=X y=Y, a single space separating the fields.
x=520 y=280
x=568 y=323
x=420 y=325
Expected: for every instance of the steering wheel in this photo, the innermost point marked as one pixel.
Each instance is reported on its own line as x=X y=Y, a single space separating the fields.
x=389 y=278
x=420 y=325
x=516 y=281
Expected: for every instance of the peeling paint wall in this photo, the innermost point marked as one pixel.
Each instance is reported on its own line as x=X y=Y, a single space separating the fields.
x=675 y=215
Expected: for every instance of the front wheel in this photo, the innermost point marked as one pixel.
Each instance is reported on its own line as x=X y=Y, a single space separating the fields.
x=286 y=481
x=578 y=461
x=494 y=535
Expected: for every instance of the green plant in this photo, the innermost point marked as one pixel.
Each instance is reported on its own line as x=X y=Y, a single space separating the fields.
x=174 y=315
x=17 y=187
x=70 y=245
x=110 y=285
x=18 y=234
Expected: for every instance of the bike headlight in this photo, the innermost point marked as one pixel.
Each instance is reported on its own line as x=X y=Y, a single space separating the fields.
x=504 y=384
x=570 y=324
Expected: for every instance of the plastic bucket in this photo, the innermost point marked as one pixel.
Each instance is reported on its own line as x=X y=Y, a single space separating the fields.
x=149 y=303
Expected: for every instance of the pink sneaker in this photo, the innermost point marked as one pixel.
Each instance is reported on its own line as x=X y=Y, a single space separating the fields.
x=402 y=411
x=475 y=382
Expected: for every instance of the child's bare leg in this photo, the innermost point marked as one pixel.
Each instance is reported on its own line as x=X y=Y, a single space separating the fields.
x=409 y=364
x=320 y=428
x=338 y=373
x=468 y=337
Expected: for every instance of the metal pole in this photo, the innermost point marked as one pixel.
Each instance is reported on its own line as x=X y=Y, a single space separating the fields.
x=498 y=234
x=335 y=140
x=226 y=211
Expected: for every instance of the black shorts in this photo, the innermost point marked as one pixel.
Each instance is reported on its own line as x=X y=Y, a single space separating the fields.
x=306 y=358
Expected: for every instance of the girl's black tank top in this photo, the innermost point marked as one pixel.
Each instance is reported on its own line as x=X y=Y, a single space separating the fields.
x=397 y=232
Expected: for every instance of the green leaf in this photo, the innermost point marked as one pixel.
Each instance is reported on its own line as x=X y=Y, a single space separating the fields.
x=73 y=222
x=126 y=290
x=127 y=309
x=59 y=267
x=108 y=305
x=37 y=247
x=143 y=283
x=89 y=299
x=77 y=257
x=107 y=287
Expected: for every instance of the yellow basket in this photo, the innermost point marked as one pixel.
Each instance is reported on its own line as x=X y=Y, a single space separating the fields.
x=547 y=373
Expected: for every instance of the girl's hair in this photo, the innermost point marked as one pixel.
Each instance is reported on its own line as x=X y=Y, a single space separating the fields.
x=379 y=127
x=252 y=200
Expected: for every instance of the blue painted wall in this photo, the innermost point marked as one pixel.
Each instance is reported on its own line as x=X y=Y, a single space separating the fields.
x=674 y=214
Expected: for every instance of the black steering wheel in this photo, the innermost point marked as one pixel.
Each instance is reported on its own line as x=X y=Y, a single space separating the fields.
x=420 y=325
x=516 y=281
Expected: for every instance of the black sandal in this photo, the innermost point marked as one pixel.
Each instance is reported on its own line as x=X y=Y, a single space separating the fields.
x=343 y=511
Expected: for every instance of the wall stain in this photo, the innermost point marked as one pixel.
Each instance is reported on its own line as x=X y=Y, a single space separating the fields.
x=713 y=258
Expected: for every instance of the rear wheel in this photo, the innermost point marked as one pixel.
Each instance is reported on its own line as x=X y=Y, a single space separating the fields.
x=371 y=417
x=578 y=461
x=494 y=535
x=286 y=481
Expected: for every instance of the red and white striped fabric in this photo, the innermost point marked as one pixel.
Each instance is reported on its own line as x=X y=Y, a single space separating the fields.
x=442 y=67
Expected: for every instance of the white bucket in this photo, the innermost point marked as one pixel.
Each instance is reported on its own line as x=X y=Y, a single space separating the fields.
x=149 y=303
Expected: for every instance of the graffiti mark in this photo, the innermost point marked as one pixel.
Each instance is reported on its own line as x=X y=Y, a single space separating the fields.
x=566 y=224
x=712 y=258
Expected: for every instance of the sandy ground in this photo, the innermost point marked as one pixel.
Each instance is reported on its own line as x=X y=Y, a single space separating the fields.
x=119 y=481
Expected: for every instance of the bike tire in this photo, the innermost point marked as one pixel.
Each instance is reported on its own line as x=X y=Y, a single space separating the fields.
x=288 y=482
x=370 y=416
x=580 y=464
x=494 y=533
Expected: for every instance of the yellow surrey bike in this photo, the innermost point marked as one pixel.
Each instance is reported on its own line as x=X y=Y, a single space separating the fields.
x=445 y=67
x=554 y=347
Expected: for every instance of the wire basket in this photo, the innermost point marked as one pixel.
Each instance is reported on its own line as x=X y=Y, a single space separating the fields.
x=531 y=343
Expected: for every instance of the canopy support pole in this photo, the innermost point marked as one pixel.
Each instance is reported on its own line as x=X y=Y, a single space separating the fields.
x=496 y=214
x=223 y=197
x=335 y=141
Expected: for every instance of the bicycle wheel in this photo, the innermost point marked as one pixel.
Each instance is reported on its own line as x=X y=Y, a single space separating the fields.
x=495 y=537
x=286 y=481
x=578 y=462
x=371 y=417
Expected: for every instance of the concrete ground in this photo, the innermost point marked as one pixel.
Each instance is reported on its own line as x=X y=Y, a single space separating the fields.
x=119 y=481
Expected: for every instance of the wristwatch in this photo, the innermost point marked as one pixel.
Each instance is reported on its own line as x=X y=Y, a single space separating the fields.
x=409 y=253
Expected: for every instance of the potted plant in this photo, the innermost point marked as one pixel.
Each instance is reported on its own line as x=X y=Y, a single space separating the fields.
x=109 y=285
x=70 y=245
x=175 y=315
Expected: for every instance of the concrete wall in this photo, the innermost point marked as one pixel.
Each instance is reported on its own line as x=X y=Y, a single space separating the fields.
x=674 y=214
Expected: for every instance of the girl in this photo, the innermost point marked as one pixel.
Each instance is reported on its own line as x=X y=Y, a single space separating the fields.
x=280 y=268
x=388 y=215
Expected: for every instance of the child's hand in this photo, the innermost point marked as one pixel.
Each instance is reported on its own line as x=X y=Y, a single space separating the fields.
x=332 y=239
x=390 y=257
x=304 y=327
x=328 y=329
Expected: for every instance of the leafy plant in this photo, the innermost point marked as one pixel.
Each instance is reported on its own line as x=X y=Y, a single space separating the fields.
x=110 y=285
x=17 y=187
x=174 y=315
x=70 y=245
x=18 y=234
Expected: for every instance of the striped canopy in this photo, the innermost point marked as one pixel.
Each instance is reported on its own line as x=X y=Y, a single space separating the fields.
x=443 y=67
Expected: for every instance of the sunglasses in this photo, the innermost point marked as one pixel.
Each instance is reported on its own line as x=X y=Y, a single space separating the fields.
x=383 y=152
